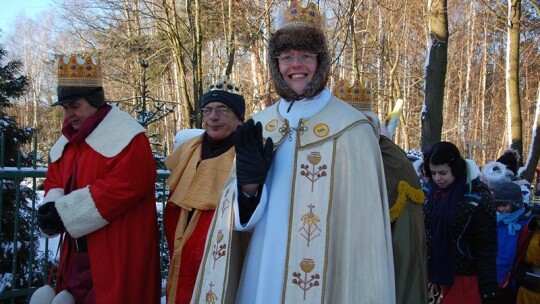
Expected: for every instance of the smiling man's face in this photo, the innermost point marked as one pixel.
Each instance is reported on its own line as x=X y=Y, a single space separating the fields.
x=297 y=69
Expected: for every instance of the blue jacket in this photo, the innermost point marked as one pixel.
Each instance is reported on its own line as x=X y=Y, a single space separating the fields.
x=507 y=245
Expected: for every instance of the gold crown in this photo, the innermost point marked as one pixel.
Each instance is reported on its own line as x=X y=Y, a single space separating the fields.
x=223 y=84
x=297 y=15
x=357 y=95
x=79 y=71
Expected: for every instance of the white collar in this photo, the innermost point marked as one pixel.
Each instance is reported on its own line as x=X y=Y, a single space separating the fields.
x=304 y=108
x=109 y=138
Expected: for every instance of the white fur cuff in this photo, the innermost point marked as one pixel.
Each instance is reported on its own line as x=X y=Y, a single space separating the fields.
x=79 y=213
x=53 y=195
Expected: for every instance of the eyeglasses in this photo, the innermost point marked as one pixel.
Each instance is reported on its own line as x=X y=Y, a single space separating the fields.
x=304 y=58
x=220 y=111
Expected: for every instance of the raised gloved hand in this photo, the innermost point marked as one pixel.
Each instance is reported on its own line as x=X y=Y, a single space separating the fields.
x=253 y=159
x=48 y=219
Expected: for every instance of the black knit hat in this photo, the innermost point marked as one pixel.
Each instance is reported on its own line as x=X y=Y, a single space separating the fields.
x=79 y=77
x=227 y=93
x=301 y=30
x=510 y=158
x=508 y=192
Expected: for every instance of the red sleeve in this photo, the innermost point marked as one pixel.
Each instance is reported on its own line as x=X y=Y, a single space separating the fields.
x=130 y=179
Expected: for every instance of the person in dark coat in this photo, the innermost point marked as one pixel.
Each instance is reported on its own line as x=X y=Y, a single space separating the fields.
x=460 y=226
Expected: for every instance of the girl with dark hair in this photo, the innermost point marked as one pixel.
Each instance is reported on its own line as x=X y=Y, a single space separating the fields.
x=460 y=228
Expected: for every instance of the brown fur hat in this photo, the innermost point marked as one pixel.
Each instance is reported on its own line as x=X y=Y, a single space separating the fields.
x=301 y=38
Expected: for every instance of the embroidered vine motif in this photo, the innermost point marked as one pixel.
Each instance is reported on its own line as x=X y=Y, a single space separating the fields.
x=314 y=173
x=219 y=251
x=227 y=202
x=211 y=297
x=310 y=228
x=306 y=283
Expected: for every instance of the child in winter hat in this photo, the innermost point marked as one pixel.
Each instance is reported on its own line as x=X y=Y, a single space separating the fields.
x=511 y=217
x=507 y=196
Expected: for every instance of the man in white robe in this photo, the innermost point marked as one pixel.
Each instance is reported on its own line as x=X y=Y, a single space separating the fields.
x=312 y=194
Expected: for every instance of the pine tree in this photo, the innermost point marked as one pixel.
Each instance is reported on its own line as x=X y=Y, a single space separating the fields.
x=15 y=210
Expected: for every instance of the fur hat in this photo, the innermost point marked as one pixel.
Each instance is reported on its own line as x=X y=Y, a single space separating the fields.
x=496 y=173
x=227 y=93
x=510 y=158
x=79 y=77
x=302 y=30
x=508 y=192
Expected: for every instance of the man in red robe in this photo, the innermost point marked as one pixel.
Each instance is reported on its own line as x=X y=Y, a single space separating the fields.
x=100 y=196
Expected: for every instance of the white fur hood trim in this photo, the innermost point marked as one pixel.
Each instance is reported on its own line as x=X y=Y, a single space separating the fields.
x=109 y=138
x=473 y=171
x=495 y=172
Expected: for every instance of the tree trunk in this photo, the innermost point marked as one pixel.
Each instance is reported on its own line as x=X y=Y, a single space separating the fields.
x=194 y=11
x=354 y=43
x=534 y=150
x=467 y=96
x=432 y=118
x=513 y=102
x=230 y=37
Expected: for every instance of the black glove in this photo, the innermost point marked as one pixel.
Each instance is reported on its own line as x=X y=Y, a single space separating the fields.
x=48 y=219
x=253 y=160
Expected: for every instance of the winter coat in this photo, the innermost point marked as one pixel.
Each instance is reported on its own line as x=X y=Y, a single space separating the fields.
x=508 y=246
x=474 y=235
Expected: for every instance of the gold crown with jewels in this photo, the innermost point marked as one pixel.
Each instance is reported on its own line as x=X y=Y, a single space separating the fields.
x=356 y=95
x=223 y=84
x=297 y=15
x=79 y=71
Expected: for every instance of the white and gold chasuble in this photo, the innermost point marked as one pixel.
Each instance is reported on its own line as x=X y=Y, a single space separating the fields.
x=321 y=232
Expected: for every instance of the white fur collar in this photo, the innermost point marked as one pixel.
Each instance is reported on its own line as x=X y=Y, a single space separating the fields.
x=109 y=138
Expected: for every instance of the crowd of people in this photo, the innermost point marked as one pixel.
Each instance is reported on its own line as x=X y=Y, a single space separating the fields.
x=308 y=201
